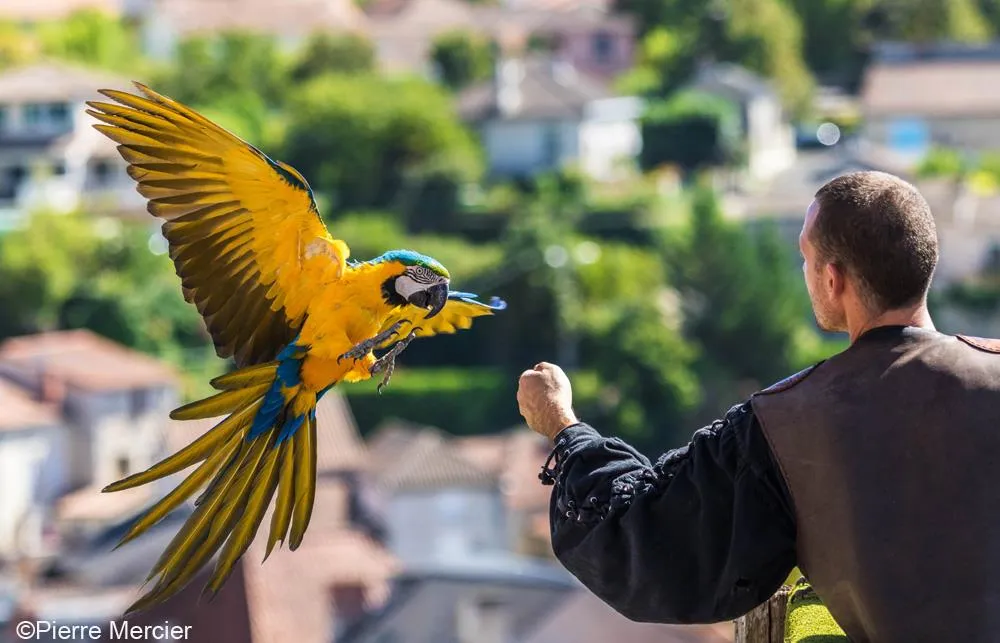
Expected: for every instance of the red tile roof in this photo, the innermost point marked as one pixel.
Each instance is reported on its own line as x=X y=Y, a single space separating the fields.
x=20 y=411
x=428 y=460
x=84 y=360
x=959 y=88
x=89 y=504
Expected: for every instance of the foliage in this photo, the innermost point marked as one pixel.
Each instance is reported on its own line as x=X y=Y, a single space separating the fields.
x=364 y=151
x=762 y=35
x=929 y=20
x=743 y=303
x=462 y=58
x=70 y=271
x=691 y=129
x=331 y=53
x=941 y=162
x=17 y=47
x=229 y=67
x=91 y=37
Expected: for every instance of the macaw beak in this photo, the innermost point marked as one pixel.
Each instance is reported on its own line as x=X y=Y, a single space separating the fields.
x=433 y=299
x=437 y=297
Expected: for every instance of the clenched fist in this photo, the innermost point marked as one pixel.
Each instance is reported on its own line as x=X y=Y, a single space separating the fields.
x=545 y=398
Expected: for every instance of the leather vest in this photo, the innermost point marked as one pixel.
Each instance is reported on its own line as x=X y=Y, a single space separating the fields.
x=891 y=454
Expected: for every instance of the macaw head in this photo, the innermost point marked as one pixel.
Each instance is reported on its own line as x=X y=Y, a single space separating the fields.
x=422 y=281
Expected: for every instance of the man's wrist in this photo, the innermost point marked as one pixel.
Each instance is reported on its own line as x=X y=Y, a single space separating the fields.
x=565 y=421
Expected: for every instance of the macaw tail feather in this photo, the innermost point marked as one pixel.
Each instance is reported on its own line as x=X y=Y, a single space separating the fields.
x=241 y=469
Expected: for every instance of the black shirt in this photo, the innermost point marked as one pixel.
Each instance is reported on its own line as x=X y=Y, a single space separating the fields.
x=704 y=535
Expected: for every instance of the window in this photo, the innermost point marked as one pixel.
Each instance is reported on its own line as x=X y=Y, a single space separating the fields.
x=10 y=180
x=603 y=46
x=102 y=173
x=142 y=401
x=123 y=466
x=552 y=150
x=47 y=116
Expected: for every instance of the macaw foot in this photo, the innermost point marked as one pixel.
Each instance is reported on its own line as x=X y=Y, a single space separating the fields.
x=365 y=347
x=387 y=362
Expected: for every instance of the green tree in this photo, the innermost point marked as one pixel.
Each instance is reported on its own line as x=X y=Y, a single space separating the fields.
x=762 y=35
x=41 y=265
x=208 y=69
x=365 y=151
x=333 y=53
x=745 y=305
x=17 y=47
x=925 y=21
x=462 y=58
x=92 y=37
x=691 y=130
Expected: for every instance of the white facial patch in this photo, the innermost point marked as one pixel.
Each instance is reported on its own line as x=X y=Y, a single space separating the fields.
x=406 y=286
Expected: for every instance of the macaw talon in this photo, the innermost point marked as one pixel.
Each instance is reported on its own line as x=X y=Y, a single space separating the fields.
x=387 y=362
x=363 y=348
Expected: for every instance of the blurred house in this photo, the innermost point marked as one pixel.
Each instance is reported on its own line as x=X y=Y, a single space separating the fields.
x=584 y=618
x=585 y=33
x=164 y=24
x=914 y=97
x=338 y=572
x=540 y=114
x=88 y=412
x=485 y=599
x=768 y=136
x=51 y=158
x=32 y=468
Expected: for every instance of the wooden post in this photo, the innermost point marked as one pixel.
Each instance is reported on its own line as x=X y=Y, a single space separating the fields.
x=766 y=623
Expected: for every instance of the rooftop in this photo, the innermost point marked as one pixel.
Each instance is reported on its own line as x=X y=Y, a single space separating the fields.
x=51 y=82
x=20 y=411
x=960 y=88
x=286 y=18
x=545 y=88
x=425 y=459
x=84 y=360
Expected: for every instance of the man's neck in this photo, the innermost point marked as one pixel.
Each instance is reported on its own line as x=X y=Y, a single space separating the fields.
x=918 y=316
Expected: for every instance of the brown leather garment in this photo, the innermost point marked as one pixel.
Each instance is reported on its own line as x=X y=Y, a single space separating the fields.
x=890 y=451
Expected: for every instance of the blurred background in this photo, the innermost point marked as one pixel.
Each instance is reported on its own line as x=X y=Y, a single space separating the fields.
x=630 y=177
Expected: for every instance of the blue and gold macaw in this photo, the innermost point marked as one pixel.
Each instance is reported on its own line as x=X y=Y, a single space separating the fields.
x=278 y=295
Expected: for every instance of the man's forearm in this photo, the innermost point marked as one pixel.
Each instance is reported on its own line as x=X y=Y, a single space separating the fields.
x=661 y=542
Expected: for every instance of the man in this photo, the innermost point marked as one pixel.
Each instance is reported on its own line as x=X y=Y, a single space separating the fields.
x=870 y=471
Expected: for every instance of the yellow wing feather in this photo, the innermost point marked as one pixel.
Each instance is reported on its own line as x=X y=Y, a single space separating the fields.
x=244 y=232
x=456 y=315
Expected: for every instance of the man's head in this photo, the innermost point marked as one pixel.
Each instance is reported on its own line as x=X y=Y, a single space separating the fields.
x=869 y=244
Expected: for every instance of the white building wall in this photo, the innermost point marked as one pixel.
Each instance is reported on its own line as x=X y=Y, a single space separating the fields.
x=33 y=474
x=445 y=524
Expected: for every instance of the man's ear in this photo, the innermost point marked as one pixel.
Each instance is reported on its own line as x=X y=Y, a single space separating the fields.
x=836 y=279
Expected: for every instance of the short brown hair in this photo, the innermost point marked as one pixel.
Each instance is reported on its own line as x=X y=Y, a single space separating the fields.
x=879 y=229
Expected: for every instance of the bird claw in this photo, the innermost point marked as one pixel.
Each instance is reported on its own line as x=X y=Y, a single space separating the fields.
x=363 y=348
x=387 y=362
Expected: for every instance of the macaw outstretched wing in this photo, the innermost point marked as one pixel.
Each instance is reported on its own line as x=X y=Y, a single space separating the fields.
x=457 y=314
x=244 y=232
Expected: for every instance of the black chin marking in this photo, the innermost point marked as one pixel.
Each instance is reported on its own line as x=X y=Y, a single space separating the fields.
x=389 y=293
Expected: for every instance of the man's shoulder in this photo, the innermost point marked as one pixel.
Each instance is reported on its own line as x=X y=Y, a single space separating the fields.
x=981 y=343
x=789 y=382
